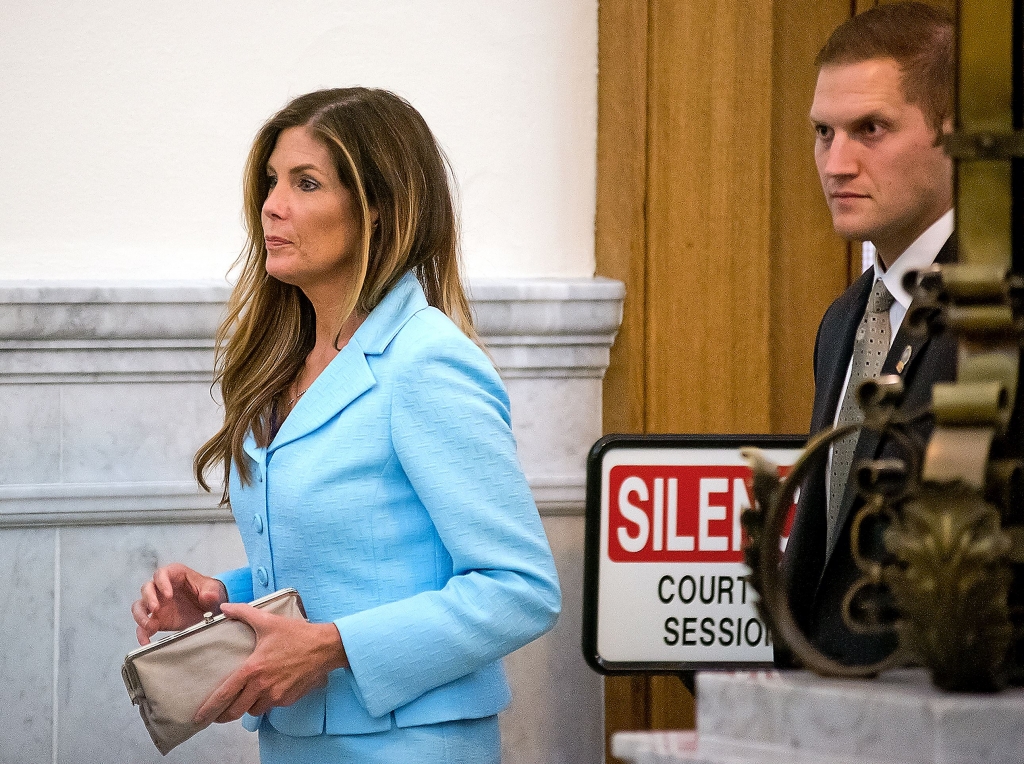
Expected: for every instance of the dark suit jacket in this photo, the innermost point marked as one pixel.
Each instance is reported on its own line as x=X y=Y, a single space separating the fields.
x=817 y=578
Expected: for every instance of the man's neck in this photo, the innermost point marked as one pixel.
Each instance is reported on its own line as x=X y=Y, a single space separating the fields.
x=920 y=254
x=890 y=252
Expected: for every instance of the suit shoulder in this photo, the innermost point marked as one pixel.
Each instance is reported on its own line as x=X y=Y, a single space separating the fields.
x=430 y=356
x=850 y=301
x=430 y=336
x=847 y=307
x=432 y=329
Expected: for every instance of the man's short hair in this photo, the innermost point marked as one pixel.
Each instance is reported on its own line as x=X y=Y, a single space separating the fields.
x=921 y=40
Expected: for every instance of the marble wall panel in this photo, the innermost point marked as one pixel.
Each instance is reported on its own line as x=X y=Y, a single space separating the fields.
x=30 y=452
x=102 y=569
x=110 y=414
x=556 y=421
x=135 y=431
x=26 y=644
x=557 y=711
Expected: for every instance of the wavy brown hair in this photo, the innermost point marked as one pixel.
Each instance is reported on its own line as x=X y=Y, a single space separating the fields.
x=386 y=156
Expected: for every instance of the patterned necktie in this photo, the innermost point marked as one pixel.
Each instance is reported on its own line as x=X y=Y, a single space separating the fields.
x=870 y=346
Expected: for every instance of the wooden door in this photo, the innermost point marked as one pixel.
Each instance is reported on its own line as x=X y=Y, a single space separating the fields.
x=710 y=210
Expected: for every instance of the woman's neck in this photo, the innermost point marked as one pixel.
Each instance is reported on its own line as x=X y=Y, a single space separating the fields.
x=330 y=339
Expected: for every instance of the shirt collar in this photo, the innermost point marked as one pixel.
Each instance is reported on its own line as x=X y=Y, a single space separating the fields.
x=919 y=255
x=405 y=299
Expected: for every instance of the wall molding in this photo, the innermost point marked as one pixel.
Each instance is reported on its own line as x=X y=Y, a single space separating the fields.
x=557 y=332
x=148 y=503
x=548 y=327
x=74 y=332
x=135 y=503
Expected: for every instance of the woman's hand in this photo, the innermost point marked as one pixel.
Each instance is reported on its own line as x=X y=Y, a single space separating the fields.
x=176 y=598
x=291 y=658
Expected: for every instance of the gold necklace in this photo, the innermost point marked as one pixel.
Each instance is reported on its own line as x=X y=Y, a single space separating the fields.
x=291 y=401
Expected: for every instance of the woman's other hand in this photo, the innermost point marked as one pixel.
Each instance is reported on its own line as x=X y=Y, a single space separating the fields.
x=291 y=658
x=176 y=598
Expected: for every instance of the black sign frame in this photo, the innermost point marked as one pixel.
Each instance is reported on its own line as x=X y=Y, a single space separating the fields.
x=592 y=542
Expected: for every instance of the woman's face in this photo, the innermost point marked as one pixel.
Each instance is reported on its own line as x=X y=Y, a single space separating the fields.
x=310 y=224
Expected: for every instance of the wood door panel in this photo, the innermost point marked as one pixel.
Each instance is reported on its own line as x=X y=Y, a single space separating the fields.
x=621 y=230
x=707 y=223
x=809 y=262
x=709 y=209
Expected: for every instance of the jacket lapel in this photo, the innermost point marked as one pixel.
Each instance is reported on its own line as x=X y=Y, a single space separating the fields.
x=251 y=449
x=836 y=359
x=349 y=375
x=868 y=441
x=346 y=378
x=906 y=350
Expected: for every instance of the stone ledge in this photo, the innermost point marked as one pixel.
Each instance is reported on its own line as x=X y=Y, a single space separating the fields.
x=145 y=503
x=686 y=747
x=65 y=332
x=548 y=337
x=73 y=310
x=899 y=717
x=799 y=718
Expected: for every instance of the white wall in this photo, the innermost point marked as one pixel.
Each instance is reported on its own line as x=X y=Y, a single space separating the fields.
x=124 y=125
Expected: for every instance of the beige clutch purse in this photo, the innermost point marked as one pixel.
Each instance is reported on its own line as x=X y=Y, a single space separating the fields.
x=169 y=679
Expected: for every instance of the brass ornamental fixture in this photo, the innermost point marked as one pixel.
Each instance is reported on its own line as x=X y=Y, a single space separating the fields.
x=950 y=513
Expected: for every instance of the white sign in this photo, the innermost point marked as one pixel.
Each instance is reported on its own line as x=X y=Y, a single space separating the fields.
x=671 y=584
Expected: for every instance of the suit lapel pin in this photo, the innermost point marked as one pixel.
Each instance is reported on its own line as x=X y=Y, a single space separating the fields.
x=904 y=359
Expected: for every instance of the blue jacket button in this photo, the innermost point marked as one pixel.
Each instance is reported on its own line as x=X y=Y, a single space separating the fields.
x=257 y=523
x=262 y=576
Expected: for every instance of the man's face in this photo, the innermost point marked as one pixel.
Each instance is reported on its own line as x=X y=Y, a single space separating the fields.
x=884 y=178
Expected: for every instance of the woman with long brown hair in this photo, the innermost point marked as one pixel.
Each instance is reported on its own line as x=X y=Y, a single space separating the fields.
x=367 y=455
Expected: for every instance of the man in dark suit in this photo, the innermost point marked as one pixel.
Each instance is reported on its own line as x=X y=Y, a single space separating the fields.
x=883 y=99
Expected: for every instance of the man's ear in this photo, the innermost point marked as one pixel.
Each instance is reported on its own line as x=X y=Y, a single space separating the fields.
x=946 y=129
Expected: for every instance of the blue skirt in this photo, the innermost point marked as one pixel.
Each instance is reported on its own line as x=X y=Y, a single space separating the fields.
x=464 y=741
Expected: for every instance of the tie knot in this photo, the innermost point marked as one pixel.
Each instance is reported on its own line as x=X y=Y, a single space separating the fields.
x=880 y=300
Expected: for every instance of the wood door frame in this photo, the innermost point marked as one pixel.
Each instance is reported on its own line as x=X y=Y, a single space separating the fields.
x=795 y=223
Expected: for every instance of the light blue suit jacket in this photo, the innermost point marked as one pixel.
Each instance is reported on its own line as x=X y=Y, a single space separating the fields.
x=393 y=500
